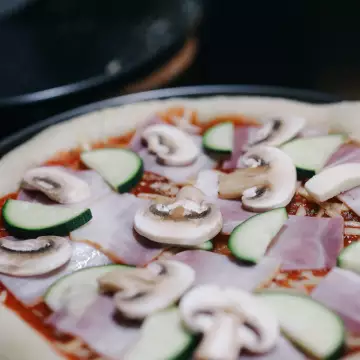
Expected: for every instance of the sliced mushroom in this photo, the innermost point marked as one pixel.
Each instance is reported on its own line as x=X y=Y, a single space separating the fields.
x=140 y=292
x=33 y=257
x=187 y=220
x=334 y=180
x=230 y=320
x=277 y=131
x=57 y=184
x=270 y=185
x=171 y=145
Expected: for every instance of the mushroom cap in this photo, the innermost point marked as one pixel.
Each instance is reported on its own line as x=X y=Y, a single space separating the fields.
x=57 y=184
x=281 y=178
x=277 y=130
x=186 y=232
x=188 y=220
x=140 y=292
x=34 y=256
x=171 y=145
x=258 y=328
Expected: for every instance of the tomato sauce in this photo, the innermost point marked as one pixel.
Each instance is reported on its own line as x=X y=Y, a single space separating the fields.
x=156 y=184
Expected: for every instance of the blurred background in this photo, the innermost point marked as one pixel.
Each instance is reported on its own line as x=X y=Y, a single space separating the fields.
x=59 y=54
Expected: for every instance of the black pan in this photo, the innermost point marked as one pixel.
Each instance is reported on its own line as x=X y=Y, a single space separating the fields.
x=195 y=91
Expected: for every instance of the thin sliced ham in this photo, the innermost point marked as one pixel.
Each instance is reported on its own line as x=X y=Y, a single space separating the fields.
x=211 y=268
x=98 y=325
x=178 y=174
x=111 y=230
x=30 y=289
x=308 y=243
x=284 y=350
x=98 y=189
x=351 y=198
x=340 y=291
x=241 y=136
x=233 y=214
x=347 y=153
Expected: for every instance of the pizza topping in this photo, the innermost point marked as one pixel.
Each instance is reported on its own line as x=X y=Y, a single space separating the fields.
x=162 y=336
x=250 y=240
x=57 y=184
x=186 y=220
x=334 y=180
x=84 y=281
x=283 y=350
x=241 y=136
x=171 y=145
x=310 y=154
x=270 y=185
x=211 y=268
x=34 y=256
x=277 y=130
x=121 y=168
x=352 y=199
x=141 y=292
x=111 y=230
x=30 y=290
x=339 y=291
x=219 y=139
x=346 y=153
x=308 y=243
x=307 y=323
x=349 y=257
x=230 y=320
x=25 y=219
x=97 y=324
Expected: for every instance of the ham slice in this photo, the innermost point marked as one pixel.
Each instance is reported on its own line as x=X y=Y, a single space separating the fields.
x=211 y=268
x=98 y=189
x=233 y=214
x=284 y=350
x=340 y=291
x=347 y=153
x=98 y=325
x=308 y=243
x=111 y=230
x=241 y=136
x=30 y=289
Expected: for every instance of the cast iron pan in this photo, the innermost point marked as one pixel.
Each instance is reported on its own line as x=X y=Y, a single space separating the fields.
x=53 y=48
x=194 y=91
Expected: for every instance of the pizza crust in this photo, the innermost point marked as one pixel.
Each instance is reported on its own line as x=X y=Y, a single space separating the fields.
x=100 y=125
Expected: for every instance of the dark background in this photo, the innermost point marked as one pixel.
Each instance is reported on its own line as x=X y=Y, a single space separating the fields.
x=53 y=52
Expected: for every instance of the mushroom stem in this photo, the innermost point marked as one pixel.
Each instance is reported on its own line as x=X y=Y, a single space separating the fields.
x=220 y=341
x=234 y=184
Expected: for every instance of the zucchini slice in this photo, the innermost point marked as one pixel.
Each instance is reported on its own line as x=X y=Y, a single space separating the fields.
x=310 y=154
x=122 y=169
x=82 y=279
x=25 y=220
x=162 y=337
x=349 y=258
x=249 y=241
x=207 y=245
x=219 y=139
x=311 y=326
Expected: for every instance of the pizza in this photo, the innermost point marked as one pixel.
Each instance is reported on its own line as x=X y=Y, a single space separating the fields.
x=214 y=228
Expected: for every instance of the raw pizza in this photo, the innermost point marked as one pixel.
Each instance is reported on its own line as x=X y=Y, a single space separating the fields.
x=216 y=228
